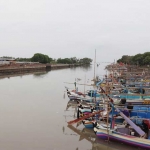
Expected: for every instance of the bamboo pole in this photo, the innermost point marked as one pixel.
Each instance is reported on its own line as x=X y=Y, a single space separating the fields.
x=107 y=120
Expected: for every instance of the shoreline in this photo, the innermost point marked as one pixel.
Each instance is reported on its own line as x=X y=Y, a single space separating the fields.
x=31 y=68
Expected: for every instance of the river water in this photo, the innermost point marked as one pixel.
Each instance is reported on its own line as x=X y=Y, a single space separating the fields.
x=33 y=112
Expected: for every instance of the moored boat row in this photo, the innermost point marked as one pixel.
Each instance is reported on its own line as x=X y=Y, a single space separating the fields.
x=115 y=111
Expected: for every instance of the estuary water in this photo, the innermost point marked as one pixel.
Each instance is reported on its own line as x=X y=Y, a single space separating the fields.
x=33 y=113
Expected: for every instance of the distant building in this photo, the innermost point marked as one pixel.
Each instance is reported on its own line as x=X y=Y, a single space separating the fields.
x=4 y=61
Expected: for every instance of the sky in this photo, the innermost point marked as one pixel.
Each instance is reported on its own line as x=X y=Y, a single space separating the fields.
x=68 y=28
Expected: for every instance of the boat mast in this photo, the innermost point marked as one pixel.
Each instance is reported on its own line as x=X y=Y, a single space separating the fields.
x=84 y=83
x=94 y=64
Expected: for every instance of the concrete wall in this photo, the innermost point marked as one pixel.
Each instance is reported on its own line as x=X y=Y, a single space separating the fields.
x=11 y=69
x=4 y=62
x=25 y=67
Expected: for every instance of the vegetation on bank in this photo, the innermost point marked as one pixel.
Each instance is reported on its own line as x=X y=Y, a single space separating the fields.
x=41 y=58
x=74 y=60
x=138 y=59
x=23 y=59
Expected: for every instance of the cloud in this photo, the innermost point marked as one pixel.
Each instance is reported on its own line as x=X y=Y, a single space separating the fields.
x=74 y=28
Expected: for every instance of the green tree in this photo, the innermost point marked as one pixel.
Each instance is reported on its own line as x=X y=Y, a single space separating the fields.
x=147 y=60
x=73 y=60
x=64 y=61
x=125 y=59
x=41 y=58
x=59 y=61
x=138 y=59
x=23 y=59
x=146 y=54
x=85 y=60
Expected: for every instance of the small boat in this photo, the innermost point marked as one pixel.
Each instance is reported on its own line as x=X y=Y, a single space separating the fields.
x=88 y=134
x=89 y=123
x=122 y=134
x=130 y=133
x=77 y=96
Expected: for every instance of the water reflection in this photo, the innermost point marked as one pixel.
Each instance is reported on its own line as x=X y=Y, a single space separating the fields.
x=89 y=135
x=71 y=104
x=34 y=73
x=83 y=68
x=97 y=144
x=32 y=110
x=40 y=74
x=86 y=67
x=63 y=129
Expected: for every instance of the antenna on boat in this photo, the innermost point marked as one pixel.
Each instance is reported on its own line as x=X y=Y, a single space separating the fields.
x=107 y=120
x=84 y=83
x=94 y=64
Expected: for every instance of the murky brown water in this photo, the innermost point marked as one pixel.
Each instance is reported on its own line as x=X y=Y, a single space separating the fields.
x=33 y=116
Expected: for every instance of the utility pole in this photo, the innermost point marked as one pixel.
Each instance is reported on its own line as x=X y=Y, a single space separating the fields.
x=94 y=64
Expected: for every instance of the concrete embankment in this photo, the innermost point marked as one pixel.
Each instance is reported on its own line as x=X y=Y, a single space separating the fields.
x=59 y=66
x=21 y=69
x=25 y=68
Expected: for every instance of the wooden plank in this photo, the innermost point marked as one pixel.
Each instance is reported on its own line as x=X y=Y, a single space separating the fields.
x=84 y=117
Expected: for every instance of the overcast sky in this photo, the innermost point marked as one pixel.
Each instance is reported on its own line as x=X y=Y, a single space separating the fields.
x=67 y=28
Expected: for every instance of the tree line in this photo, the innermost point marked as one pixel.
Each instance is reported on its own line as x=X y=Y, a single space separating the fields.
x=42 y=58
x=138 y=59
x=74 y=60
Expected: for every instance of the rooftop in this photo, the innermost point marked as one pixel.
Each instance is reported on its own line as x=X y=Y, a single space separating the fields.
x=6 y=59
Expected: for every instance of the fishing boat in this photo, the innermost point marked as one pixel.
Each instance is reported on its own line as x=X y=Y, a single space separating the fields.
x=137 y=113
x=89 y=123
x=75 y=96
x=131 y=133
x=92 y=121
x=97 y=144
x=122 y=134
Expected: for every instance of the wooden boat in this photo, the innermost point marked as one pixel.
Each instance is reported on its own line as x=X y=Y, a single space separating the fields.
x=92 y=121
x=129 y=96
x=97 y=144
x=121 y=93
x=131 y=134
x=89 y=123
x=76 y=97
x=124 y=135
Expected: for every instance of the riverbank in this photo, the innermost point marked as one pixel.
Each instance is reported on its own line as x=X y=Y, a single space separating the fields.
x=27 y=67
